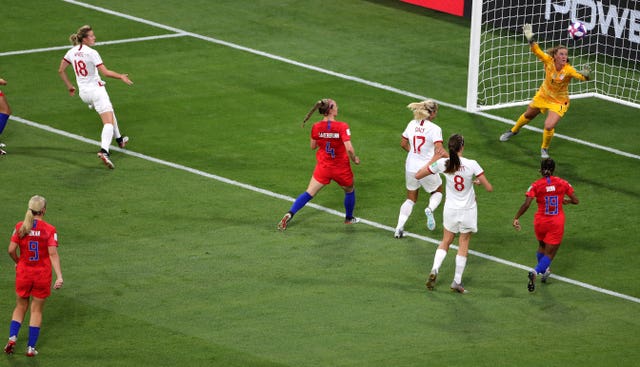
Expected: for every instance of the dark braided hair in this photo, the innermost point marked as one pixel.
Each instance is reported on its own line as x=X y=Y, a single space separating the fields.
x=547 y=166
x=456 y=142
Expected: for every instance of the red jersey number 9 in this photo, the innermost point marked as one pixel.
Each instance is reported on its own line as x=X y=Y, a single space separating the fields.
x=33 y=249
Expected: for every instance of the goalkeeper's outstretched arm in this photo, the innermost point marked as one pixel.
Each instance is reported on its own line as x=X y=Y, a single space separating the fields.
x=528 y=33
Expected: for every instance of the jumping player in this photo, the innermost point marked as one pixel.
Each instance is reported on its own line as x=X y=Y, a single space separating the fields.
x=553 y=95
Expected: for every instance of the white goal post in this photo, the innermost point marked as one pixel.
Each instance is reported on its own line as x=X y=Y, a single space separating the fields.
x=503 y=71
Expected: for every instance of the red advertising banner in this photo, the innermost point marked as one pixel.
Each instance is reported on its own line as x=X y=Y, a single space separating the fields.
x=455 y=7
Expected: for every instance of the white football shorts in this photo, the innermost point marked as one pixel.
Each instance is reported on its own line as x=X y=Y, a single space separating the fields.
x=429 y=183
x=97 y=98
x=460 y=220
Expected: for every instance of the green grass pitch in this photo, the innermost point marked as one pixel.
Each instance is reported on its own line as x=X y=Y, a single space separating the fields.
x=173 y=258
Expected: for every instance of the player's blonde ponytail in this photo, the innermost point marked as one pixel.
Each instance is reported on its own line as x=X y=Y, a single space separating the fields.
x=323 y=106
x=423 y=110
x=37 y=205
x=77 y=37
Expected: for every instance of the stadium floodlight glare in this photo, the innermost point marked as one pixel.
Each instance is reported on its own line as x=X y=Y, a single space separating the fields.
x=503 y=72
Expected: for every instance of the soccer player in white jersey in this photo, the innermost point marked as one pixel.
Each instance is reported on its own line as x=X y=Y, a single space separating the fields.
x=421 y=138
x=460 y=209
x=86 y=62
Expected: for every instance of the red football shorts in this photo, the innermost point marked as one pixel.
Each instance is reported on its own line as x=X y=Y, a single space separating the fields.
x=549 y=231
x=343 y=176
x=33 y=281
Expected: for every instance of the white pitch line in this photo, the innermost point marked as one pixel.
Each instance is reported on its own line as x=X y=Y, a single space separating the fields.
x=288 y=198
x=66 y=47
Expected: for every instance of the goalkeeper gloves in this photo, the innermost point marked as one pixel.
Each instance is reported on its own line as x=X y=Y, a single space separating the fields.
x=586 y=72
x=528 y=32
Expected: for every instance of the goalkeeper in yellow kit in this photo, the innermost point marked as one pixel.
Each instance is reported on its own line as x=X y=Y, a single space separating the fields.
x=553 y=96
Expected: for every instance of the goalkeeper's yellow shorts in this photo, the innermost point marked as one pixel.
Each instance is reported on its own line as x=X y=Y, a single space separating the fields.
x=544 y=105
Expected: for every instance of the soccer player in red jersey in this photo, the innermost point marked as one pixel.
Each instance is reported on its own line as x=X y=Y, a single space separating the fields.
x=34 y=248
x=550 y=192
x=5 y=112
x=332 y=141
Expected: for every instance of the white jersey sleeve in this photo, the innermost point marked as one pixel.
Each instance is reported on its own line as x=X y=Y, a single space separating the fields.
x=422 y=136
x=85 y=61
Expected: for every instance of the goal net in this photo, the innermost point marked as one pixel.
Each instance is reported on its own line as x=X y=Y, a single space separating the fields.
x=504 y=72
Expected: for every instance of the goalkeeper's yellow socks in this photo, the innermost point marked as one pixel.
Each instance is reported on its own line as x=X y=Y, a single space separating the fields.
x=519 y=124
x=546 y=138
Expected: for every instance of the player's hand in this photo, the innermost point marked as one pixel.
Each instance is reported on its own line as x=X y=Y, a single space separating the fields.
x=516 y=225
x=72 y=91
x=58 y=283
x=125 y=78
x=586 y=72
x=528 y=32
x=3 y=82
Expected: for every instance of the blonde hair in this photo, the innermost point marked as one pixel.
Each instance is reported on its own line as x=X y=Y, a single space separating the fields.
x=423 y=110
x=37 y=205
x=82 y=32
x=554 y=50
x=323 y=106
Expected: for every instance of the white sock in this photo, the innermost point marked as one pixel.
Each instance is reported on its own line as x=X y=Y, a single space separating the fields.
x=438 y=258
x=434 y=201
x=461 y=263
x=107 y=136
x=405 y=211
x=116 y=129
